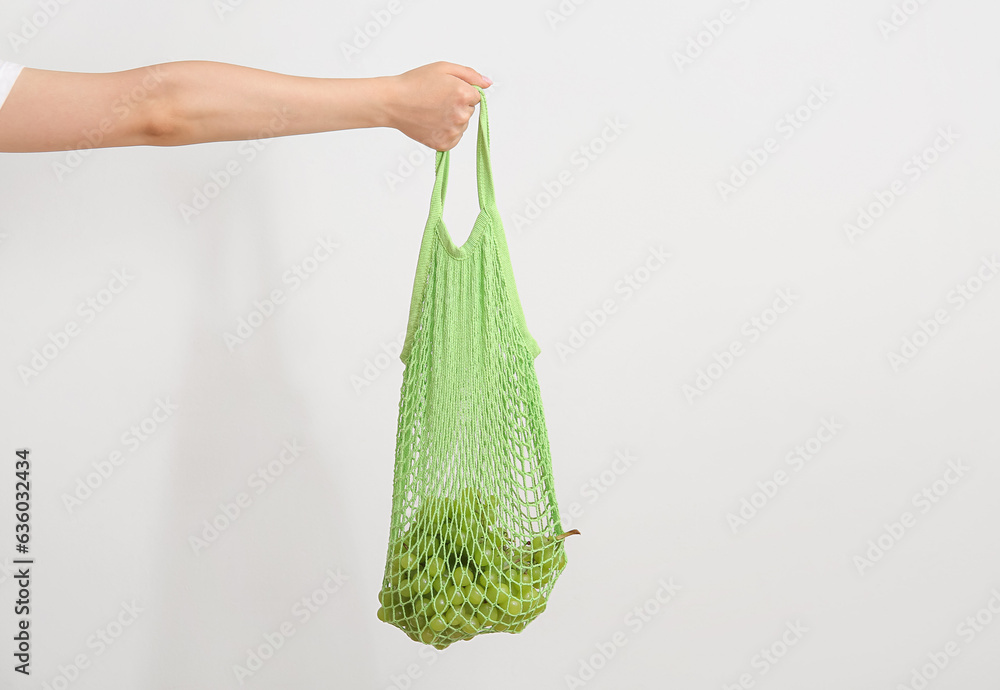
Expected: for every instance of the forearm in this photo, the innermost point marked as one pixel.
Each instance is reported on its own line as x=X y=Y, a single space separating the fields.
x=212 y=101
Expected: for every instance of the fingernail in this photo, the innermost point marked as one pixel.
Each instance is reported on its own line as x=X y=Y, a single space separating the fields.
x=489 y=82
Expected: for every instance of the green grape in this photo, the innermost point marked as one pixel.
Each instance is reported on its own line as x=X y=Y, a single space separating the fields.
x=396 y=576
x=530 y=598
x=473 y=617
x=498 y=595
x=543 y=548
x=437 y=624
x=454 y=595
x=464 y=538
x=475 y=595
x=487 y=578
x=423 y=608
x=521 y=583
x=486 y=556
x=421 y=584
x=435 y=566
x=490 y=613
x=419 y=621
x=427 y=635
x=455 y=617
x=381 y=613
x=404 y=612
x=462 y=577
x=405 y=561
x=440 y=603
x=532 y=603
x=495 y=537
x=537 y=547
x=513 y=607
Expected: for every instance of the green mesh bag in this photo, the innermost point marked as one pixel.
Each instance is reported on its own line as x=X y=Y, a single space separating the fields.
x=474 y=542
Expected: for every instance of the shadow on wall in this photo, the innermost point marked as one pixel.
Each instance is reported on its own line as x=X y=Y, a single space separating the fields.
x=254 y=519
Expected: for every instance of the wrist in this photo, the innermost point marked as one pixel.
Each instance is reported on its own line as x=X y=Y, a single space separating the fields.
x=383 y=100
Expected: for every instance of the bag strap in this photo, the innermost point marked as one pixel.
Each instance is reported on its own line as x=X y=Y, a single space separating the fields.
x=484 y=167
x=489 y=216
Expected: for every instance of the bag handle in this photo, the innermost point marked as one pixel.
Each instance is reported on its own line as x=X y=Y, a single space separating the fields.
x=484 y=168
x=434 y=230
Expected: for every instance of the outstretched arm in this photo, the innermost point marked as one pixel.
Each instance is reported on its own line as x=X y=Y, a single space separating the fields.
x=191 y=102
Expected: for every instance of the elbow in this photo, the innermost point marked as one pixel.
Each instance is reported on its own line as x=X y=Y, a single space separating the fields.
x=161 y=123
x=161 y=129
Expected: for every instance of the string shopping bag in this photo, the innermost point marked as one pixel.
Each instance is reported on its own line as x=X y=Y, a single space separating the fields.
x=475 y=539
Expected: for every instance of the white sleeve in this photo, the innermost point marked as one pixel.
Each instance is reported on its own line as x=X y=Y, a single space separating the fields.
x=9 y=72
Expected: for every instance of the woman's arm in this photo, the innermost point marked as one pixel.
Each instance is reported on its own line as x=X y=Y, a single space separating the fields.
x=191 y=102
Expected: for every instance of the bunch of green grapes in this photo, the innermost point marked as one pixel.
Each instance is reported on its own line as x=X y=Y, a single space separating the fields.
x=457 y=573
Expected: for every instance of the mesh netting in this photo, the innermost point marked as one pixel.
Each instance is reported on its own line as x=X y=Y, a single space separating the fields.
x=474 y=542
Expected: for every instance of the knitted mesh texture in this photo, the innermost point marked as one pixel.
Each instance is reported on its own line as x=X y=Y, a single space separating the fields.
x=472 y=545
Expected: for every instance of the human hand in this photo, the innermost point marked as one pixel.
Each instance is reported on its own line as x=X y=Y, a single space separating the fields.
x=432 y=104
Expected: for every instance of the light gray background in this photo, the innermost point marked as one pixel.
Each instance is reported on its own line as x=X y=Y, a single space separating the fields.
x=664 y=518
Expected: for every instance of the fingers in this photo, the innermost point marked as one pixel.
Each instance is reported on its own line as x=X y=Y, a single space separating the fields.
x=467 y=74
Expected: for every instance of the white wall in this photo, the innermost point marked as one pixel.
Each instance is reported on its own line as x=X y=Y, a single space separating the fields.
x=664 y=518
